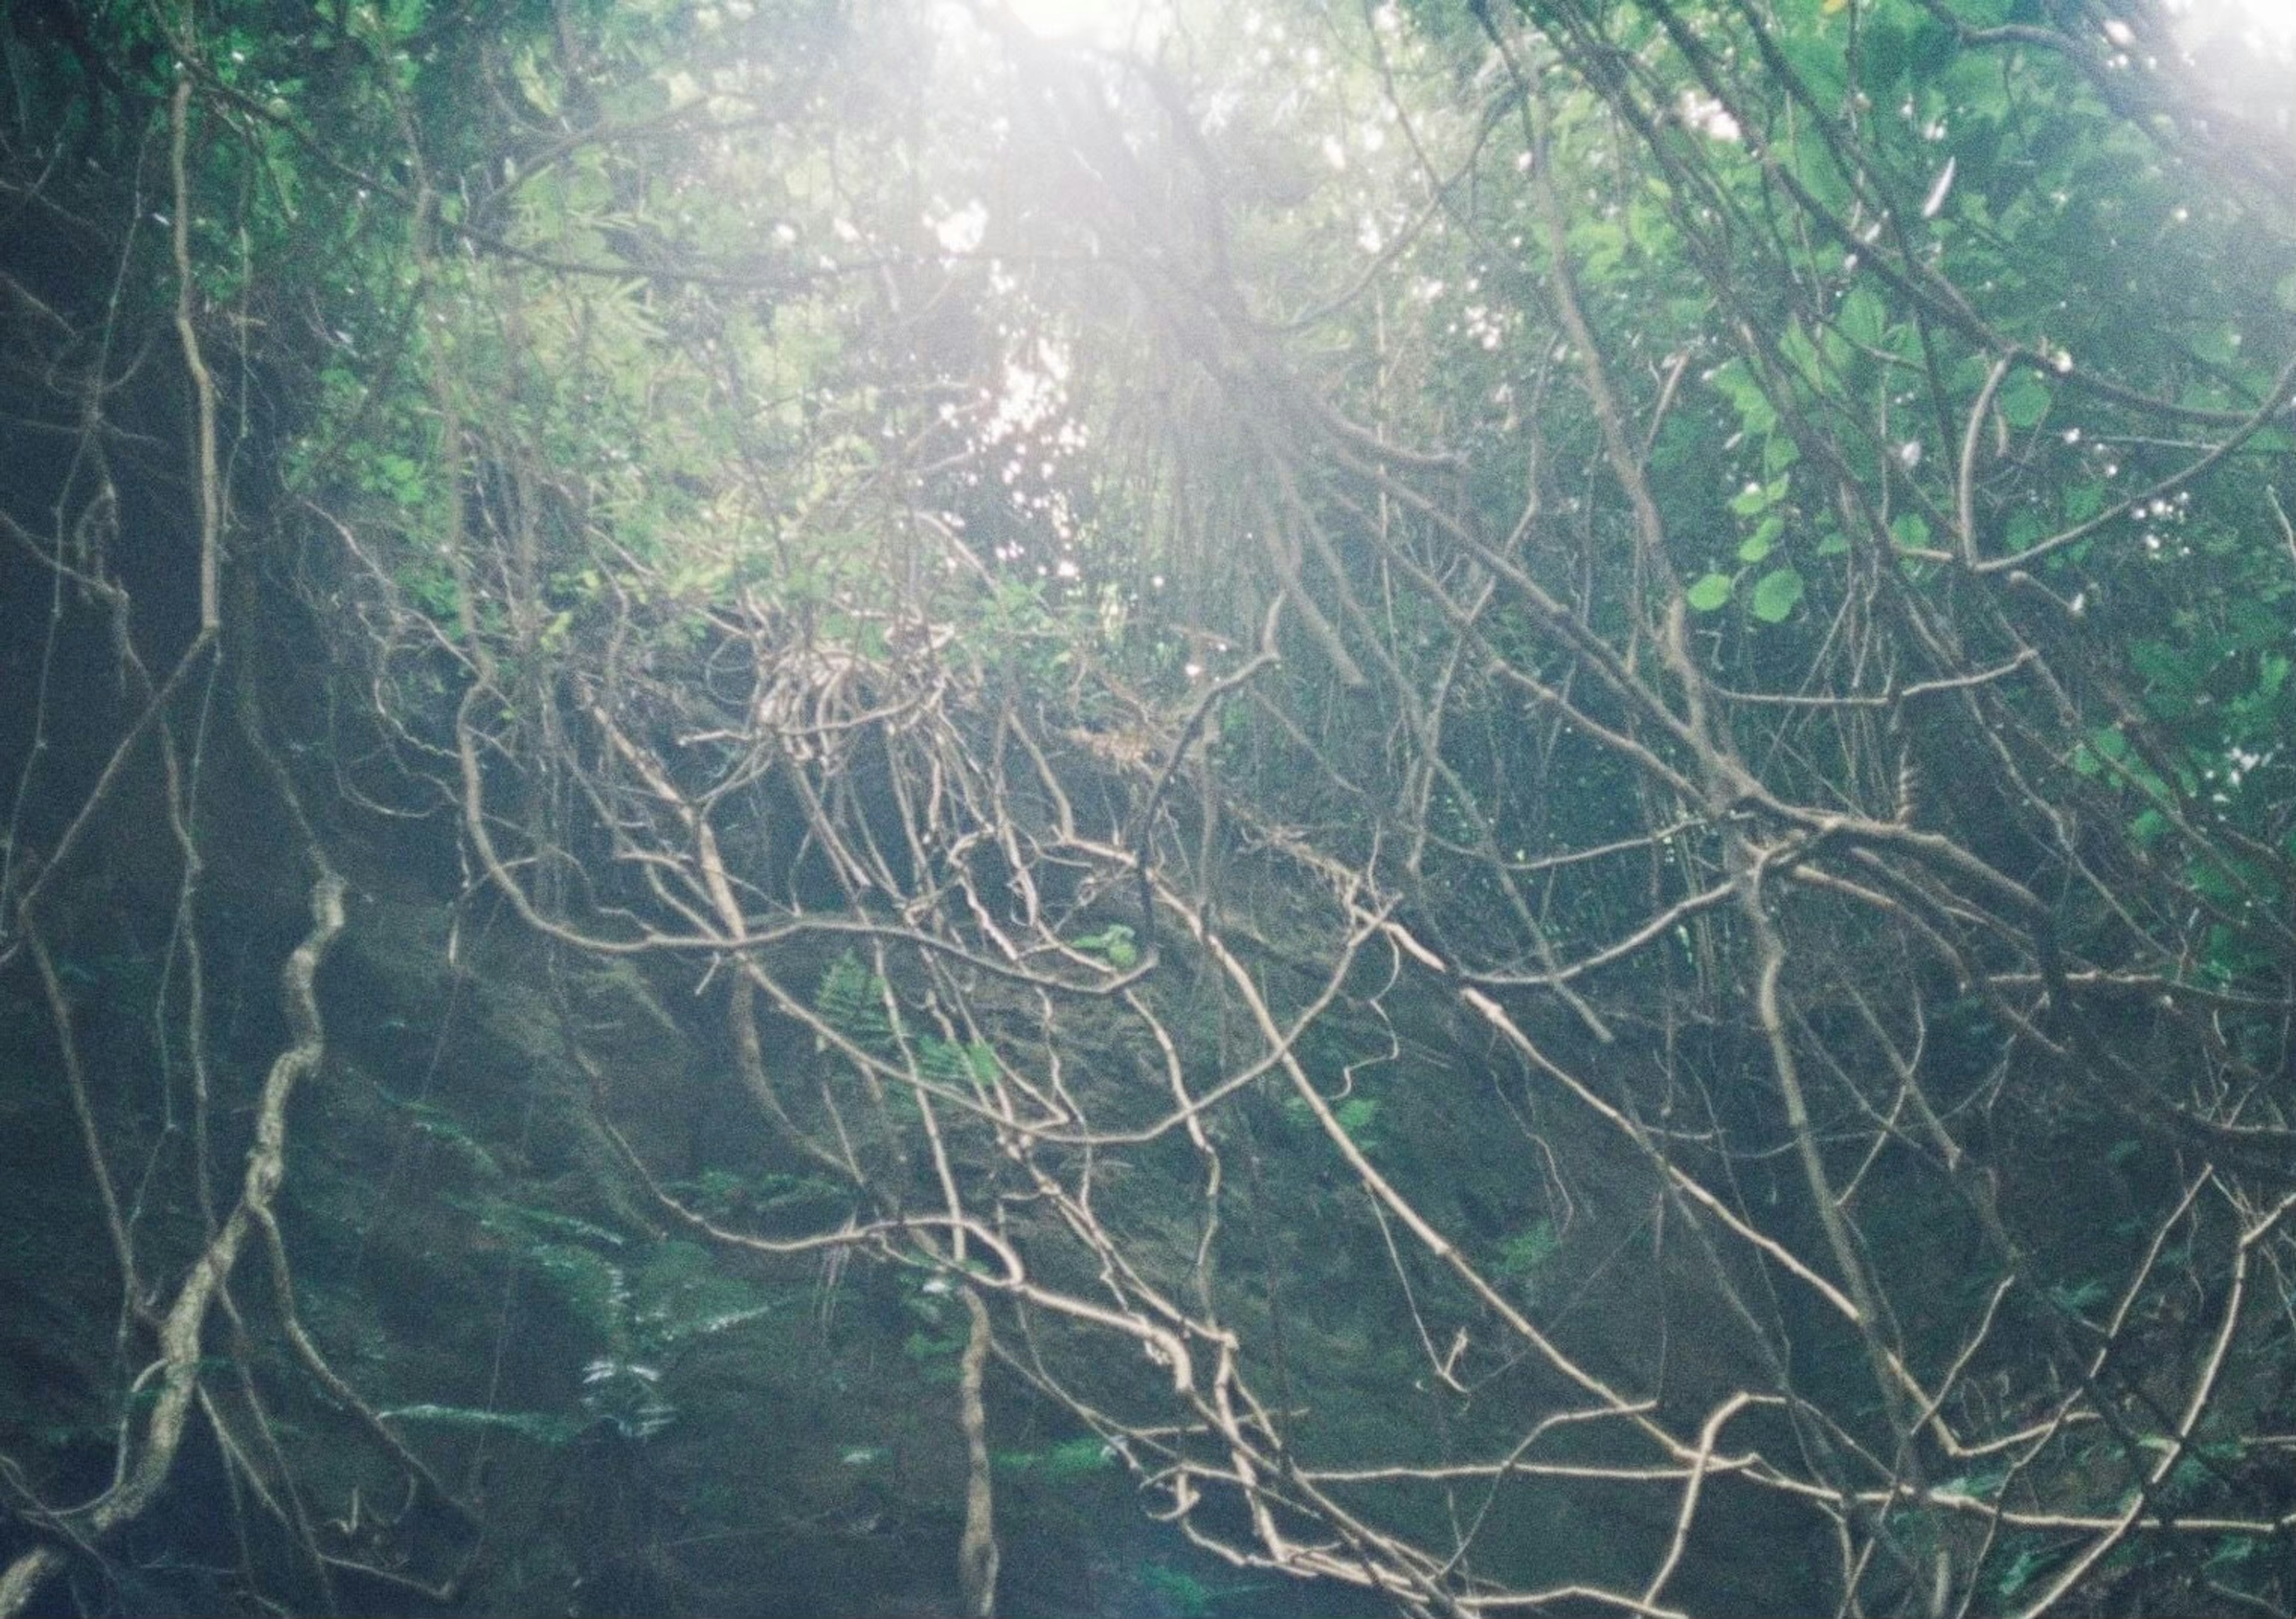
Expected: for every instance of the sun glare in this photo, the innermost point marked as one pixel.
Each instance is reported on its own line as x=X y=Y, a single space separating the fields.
x=2271 y=22
x=2275 y=19
x=1102 y=22
x=1056 y=18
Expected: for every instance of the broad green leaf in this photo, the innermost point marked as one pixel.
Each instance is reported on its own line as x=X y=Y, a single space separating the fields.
x=1776 y=595
x=1931 y=47
x=1883 y=57
x=2024 y=402
x=1709 y=593
x=1760 y=497
x=2219 y=346
x=1864 y=317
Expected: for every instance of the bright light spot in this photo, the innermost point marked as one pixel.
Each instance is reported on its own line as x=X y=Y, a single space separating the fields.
x=961 y=232
x=1707 y=116
x=2274 y=19
x=2267 y=24
x=1110 y=23
x=1057 y=17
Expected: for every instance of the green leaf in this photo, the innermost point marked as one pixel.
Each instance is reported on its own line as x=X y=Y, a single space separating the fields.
x=1524 y=1255
x=1975 y=1486
x=2019 y=1574
x=1356 y=1115
x=1865 y=318
x=538 y=1426
x=1116 y=943
x=1931 y=47
x=2025 y=401
x=1760 y=497
x=1886 y=49
x=1709 y=593
x=2217 y=346
x=2084 y=501
x=2231 y=1549
x=1776 y=595
x=1759 y=543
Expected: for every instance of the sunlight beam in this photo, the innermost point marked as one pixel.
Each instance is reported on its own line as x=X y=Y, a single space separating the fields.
x=1100 y=22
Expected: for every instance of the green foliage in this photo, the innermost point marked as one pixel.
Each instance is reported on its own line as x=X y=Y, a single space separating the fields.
x=679 y=1294
x=437 y=1125
x=640 y=1309
x=2029 y=1559
x=1170 y=1589
x=949 y=1062
x=672 y=476
x=1524 y=1255
x=592 y=1288
x=626 y=1396
x=1115 y=942
x=1176 y=1591
x=541 y=1428
x=1066 y=1462
x=851 y=1000
x=724 y=1195
x=1357 y=1116
x=936 y=1340
x=1776 y=595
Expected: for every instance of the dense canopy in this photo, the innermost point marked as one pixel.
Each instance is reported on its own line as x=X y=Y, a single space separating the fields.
x=836 y=806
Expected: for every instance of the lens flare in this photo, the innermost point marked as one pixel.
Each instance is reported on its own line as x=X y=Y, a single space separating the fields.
x=1102 y=22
